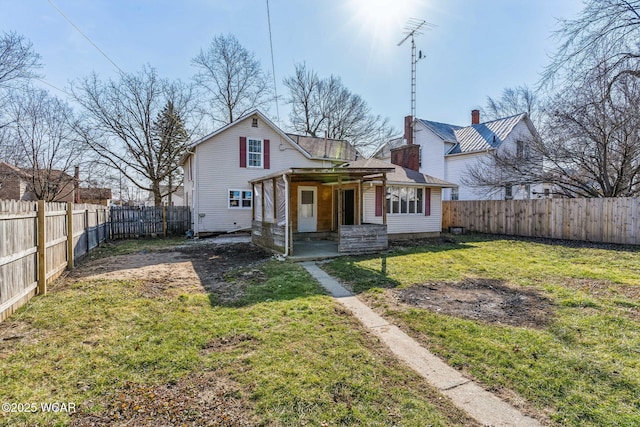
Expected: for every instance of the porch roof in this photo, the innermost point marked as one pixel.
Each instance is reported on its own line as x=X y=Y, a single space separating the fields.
x=327 y=175
x=399 y=175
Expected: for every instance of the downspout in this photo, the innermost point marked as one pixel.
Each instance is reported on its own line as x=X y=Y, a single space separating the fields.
x=195 y=200
x=286 y=214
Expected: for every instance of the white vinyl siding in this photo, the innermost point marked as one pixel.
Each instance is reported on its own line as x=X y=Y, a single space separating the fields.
x=216 y=169
x=432 y=150
x=405 y=223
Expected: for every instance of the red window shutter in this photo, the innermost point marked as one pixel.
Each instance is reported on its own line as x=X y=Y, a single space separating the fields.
x=379 y=196
x=267 y=154
x=243 y=152
x=427 y=202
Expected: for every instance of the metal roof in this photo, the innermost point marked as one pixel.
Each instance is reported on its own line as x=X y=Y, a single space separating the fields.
x=484 y=136
x=443 y=130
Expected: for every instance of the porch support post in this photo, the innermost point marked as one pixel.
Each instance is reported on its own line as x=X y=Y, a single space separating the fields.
x=384 y=198
x=275 y=200
x=360 y=203
x=339 y=203
x=286 y=214
x=253 y=202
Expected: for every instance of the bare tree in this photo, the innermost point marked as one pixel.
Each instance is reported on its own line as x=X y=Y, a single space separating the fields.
x=119 y=125
x=232 y=79
x=606 y=29
x=18 y=60
x=514 y=100
x=18 y=64
x=325 y=107
x=305 y=97
x=44 y=147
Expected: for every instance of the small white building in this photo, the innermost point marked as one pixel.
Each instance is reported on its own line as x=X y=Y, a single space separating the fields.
x=449 y=152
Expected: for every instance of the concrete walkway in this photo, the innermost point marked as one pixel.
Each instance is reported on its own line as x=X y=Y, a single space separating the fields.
x=484 y=407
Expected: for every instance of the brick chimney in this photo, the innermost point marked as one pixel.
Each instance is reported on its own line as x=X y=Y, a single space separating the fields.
x=475 y=117
x=407 y=156
x=408 y=129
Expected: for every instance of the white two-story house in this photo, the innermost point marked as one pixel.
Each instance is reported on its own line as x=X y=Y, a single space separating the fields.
x=449 y=152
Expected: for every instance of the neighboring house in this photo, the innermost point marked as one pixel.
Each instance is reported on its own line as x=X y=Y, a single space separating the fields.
x=177 y=197
x=17 y=184
x=251 y=175
x=95 y=196
x=448 y=152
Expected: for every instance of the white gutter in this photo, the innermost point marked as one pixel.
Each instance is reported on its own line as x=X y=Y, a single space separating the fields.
x=286 y=214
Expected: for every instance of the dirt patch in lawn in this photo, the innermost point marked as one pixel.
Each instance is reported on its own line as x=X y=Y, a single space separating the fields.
x=487 y=300
x=194 y=268
x=200 y=400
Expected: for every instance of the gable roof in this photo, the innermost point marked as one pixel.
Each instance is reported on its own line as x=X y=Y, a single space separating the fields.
x=485 y=136
x=444 y=131
x=384 y=150
x=401 y=175
x=312 y=148
x=466 y=139
x=326 y=148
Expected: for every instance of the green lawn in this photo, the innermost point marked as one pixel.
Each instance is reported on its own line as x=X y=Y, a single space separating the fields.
x=285 y=354
x=582 y=367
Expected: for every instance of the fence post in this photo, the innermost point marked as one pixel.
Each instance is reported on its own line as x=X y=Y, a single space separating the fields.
x=97 y=227
x=70 y=236
x=42 y=248
x=164 y=221
x=86 y=227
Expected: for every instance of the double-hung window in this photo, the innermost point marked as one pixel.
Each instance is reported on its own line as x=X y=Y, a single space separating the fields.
x=240 y=199
x=255 y=153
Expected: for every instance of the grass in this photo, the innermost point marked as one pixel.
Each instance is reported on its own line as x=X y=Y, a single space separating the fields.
x=582 y=369
x=295 y=357
x=124 y=247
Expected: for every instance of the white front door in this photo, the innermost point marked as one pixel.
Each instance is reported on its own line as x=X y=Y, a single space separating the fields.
x=307 y=209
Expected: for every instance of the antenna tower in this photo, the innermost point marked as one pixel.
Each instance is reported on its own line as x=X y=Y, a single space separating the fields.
x=414 y=27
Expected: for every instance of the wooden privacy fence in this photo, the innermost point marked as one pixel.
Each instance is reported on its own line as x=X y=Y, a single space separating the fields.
x=607 y=220
x=38 y=241
x=133 y=222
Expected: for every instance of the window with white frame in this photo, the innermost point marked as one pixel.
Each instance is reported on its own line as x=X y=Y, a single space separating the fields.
x=455 y=195
x=405 y=200
x=254 y=153
x=239 y=199
x=508 y=191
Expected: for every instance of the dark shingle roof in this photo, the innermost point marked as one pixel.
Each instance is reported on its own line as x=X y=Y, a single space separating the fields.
x=400 y=175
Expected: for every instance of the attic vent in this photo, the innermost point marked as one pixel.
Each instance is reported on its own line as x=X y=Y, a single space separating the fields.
x=254 y=122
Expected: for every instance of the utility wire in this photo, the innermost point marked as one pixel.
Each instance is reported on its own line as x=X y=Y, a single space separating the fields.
x=273 y=67
x=53 y=86
x=85 y=36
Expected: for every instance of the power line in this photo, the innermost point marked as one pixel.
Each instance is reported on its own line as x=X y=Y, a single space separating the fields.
x=53 y=86
x=85 y=36
x=273 y=67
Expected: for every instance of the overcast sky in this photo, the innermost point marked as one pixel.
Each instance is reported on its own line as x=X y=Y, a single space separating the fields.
x=476 y=49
